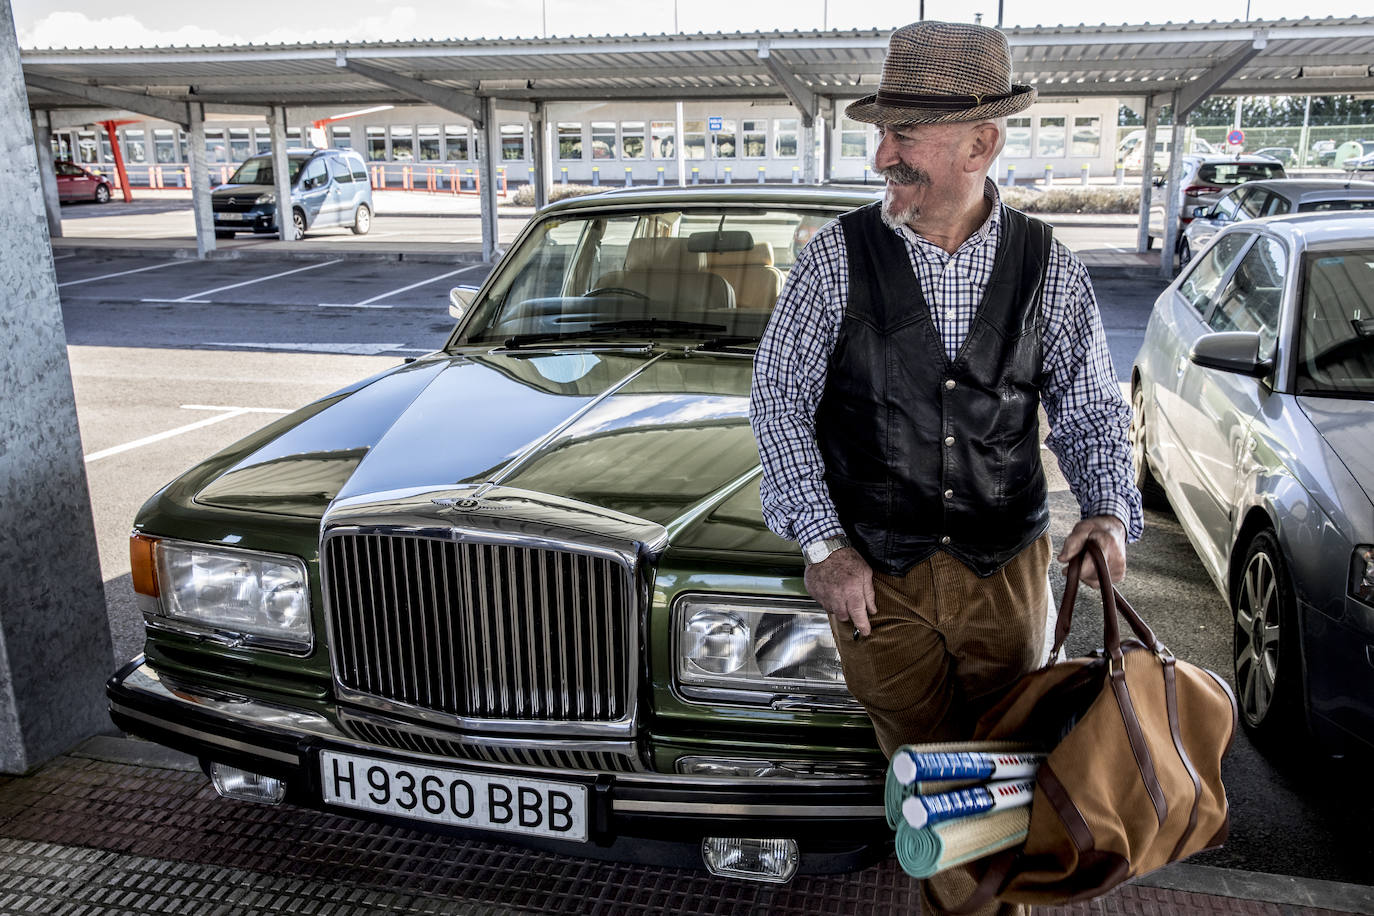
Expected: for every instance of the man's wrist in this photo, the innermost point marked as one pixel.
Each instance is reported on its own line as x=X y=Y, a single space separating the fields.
x=818 y=551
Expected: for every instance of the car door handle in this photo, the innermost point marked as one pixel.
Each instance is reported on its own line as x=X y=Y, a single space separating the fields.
x=1182 y=366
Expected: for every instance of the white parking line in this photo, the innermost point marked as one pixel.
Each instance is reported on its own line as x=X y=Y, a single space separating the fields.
x=136 y=270
x=348 y=305
x=403 y=289
x=63 y=257
x=229 y=414
x=193 y=297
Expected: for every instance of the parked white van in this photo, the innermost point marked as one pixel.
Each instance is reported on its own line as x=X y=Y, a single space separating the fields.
x=1130 y=152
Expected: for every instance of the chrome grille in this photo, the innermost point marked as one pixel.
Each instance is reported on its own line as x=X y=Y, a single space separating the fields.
x=478 y=630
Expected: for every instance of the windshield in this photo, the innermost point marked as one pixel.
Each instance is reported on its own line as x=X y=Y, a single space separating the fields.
x=258 y=170
x=1336 y=336
x=1225 y=173
x=696 y=273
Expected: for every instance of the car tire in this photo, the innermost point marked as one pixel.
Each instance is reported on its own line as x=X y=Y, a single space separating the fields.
x=224 y=233
x=102 y=194
x=1151 y=493
x=1185 y=253
x=298 y=219
x=1265 y=648
x=362 y=220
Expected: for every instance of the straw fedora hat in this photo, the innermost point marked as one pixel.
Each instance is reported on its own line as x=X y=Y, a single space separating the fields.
x=943 y=72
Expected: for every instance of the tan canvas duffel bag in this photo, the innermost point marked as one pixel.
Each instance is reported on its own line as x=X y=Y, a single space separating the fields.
x=1133 y=780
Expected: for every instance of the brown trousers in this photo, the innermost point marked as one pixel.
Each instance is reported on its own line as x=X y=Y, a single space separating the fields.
x=944 y=647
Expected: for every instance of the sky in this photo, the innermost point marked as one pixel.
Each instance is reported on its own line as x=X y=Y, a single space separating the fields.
x=142 y=23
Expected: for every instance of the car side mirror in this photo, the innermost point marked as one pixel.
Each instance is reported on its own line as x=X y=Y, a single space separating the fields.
x=1199 y=212
x=1231 y=351
x=460 y=299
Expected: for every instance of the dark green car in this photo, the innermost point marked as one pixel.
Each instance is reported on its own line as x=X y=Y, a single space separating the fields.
x=522 y=585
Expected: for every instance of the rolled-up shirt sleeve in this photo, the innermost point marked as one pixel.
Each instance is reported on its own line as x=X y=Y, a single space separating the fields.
x=789 y=379
x=1089 y=416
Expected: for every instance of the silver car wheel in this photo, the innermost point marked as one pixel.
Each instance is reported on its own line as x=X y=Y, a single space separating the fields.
x=1151 y=493
x=1257 y=637
x=1185 y=253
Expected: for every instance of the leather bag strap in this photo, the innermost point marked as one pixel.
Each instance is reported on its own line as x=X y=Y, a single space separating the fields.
x=1113 y=603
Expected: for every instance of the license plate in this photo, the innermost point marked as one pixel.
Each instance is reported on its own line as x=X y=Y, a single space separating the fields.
x=231 y=216
x=460 y=798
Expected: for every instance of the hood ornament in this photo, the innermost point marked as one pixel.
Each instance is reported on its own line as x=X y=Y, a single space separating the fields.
x=467 y=504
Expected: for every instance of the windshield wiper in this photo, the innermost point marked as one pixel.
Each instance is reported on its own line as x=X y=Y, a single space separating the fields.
x=655 y=325
x=515 y=341
x=731 y=342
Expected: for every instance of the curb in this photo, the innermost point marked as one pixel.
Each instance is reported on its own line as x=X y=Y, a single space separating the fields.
x=274 y=254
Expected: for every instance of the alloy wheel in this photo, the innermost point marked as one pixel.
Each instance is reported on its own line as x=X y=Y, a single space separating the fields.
x=1257 y=637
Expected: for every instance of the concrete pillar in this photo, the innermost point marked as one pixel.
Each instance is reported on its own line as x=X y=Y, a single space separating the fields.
x=828 y=131
x=1147 y=166
x=543 y=176
x=200 y=180
x=55 y=646
x=47 y=172
x=808 y=149
x=281 y=172
x=1173 y=202
x=679 y=148
x=489 y=148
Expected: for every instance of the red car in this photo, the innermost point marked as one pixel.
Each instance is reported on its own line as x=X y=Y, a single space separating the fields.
x=75 y=183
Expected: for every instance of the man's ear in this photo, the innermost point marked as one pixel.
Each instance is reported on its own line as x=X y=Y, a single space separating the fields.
x=982 y=141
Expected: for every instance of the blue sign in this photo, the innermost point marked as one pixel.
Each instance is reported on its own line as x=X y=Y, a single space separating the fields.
x=714 y=123
x=1236 y=138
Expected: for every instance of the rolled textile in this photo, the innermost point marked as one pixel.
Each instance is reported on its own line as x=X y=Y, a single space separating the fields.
x=925 y=851
x=894 y=793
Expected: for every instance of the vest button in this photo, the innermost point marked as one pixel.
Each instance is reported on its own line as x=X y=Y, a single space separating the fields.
x=950 y=383
x=949 y=440
x=944 y=540
x=949 y=494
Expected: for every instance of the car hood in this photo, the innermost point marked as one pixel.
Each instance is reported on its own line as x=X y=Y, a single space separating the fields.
x=230 y=190
x=659 y=436
x=1347 y=427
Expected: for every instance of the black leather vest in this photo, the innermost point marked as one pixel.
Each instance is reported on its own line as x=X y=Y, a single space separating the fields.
x=925 y=454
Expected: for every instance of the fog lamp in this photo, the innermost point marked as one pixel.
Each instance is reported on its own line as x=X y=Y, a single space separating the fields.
x=241 y=785
x=772 y=860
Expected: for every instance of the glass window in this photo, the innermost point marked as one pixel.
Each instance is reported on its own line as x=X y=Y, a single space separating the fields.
x=1254 y=204
x=724 y=141
x=456 y=142
x=1226 y=208
x=134 y=149
x=755 y=139
x=240 y=143
x=1208 y=270
x=664 y=139
x=338 y=167
x=216 y=150
x=341 y=136
x=603 y=139
x=315 y=176
x=61 y=146
x=694 y=139
x=785 y=138
x=1336 y=325
x=262 y=140
x=632 y=139
x=358 y=168
x=1321 y=206
x=1227 y=173
x=1087 y=136
x=293 y=138
x=376 y=143
x=853 y=139
x=569 y=139
x=427 y=139
x=512 y=142
x=164 y=145
x=1049 y=140
x=87 y=149
x=1253 y=295
x=1018 y=145
x=402 y=143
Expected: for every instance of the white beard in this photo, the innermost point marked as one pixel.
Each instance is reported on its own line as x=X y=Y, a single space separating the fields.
x=898 y=217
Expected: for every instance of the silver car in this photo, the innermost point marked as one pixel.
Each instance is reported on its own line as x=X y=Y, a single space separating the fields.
x=1254 y=412
x=1272 y=198
x=1204 y=179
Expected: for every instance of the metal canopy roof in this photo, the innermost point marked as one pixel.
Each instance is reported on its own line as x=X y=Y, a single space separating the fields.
x=1317 y=56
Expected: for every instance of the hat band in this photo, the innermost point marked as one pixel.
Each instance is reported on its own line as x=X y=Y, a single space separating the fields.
x=898 y=99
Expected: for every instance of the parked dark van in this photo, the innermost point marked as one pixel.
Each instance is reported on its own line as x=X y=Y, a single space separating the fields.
x=329 y=187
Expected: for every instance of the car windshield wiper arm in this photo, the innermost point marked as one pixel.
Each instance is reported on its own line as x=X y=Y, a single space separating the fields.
x=730 y=342
x=516 y=341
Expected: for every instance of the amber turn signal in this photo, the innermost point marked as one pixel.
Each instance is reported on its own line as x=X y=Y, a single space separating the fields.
x=141 y=564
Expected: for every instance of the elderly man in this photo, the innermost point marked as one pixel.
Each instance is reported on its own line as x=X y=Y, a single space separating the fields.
x=895 y=401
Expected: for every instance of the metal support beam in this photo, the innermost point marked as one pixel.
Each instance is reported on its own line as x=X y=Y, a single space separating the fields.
x=281 y=173
x=153 y=107
x=461 y=103
x=543 y=174
x=47 y=172
x=1191 y=95
x=807 y=142
x=488 y=149
x=1147 y=175
x=200 y=182
x=1169 y=244
x=802 y=98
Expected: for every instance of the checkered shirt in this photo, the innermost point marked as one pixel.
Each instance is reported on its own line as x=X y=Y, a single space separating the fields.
x=1088 y=416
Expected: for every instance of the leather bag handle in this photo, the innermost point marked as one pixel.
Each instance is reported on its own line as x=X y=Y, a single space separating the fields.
x=1113 y=603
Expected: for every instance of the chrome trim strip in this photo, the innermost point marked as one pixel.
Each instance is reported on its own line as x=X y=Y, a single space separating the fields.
x=657 y=807
x=207 y=737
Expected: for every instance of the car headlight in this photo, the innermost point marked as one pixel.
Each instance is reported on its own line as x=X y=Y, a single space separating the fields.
x=1362 y=574
x=761 y=651
x=268 y=198
x=239 y=597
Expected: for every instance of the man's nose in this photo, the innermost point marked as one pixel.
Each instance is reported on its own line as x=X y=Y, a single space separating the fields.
x=885 y=155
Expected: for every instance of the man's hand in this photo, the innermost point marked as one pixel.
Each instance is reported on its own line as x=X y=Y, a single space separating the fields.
x=843 y=584
x=1109 y=532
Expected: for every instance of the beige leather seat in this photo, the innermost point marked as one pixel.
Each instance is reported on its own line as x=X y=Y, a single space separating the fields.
x=670 y=274
x=755 y=280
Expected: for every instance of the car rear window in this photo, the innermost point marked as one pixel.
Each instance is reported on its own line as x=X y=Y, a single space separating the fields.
x=1321 y=206
x=1225 y=173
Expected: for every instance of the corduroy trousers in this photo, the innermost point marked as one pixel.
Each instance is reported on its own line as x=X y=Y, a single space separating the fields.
x=945 y=646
